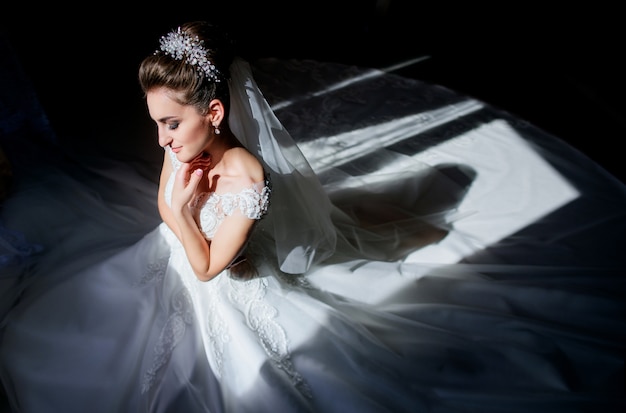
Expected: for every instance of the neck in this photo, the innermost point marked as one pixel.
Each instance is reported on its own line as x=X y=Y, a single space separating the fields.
x=220 y=144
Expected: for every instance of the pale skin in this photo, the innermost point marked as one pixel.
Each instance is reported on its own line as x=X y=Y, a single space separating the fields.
x=210 y=163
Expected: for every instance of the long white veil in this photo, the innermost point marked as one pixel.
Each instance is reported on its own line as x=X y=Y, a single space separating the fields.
x=298 y=199
x=378 y=215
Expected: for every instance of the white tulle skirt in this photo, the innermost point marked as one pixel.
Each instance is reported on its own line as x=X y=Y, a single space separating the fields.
x=108 y=323
x=489 y=313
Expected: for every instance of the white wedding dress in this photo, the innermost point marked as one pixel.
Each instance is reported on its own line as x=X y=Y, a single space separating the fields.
x=105 y=315
x=110 y=320
x=138 y=332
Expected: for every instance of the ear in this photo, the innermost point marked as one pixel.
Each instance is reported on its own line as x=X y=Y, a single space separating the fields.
x=216 y=112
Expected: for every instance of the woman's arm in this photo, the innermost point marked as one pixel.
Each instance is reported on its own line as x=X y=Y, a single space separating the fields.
x=207 y=258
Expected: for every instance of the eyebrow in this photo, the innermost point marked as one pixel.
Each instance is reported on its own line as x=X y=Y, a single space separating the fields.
x=165 y=119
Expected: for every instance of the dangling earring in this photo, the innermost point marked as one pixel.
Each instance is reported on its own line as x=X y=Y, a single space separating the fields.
x=217 y=130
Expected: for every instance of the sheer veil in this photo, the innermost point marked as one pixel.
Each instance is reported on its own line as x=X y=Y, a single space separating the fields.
x=299 y=220
x=313 y=218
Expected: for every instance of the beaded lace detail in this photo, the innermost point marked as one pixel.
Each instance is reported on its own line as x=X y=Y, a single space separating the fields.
x=248 y=298
x=213 y=208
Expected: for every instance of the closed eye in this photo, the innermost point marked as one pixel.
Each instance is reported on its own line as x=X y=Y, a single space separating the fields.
x=172 y=126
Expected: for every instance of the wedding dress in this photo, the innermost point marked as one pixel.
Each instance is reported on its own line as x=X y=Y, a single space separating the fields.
x=107 y=316
x=111 y=320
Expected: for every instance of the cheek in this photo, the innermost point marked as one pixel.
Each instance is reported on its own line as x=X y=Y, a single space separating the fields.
x=198 y=134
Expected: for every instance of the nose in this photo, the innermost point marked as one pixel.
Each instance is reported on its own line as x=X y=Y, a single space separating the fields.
x=164 y=138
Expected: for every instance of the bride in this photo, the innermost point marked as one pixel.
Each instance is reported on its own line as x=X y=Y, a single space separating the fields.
x=210 y=311
x=232 y=301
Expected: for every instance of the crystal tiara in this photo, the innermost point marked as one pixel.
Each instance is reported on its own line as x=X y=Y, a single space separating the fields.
x=181 y=46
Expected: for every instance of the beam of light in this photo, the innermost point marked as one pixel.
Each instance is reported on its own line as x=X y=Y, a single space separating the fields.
x=514 y=187
x=404 y=64
x=527 y=187
x=331 y=151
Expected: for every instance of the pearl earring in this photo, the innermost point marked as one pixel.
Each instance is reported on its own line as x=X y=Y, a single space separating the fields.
x=217 y=130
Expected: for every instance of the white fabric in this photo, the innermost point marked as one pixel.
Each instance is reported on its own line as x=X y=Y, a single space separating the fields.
x=294 y=185
x=511 y=298
x=326 y=218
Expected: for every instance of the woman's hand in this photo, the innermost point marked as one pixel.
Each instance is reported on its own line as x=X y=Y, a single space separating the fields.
x=185 y=185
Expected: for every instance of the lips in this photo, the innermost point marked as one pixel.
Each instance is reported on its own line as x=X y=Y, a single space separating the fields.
x=177 y=149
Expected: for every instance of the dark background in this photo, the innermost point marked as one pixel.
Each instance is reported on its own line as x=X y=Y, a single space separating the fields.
x=560 y=69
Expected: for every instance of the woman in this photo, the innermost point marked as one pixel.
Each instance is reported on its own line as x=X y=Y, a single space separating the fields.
x=209 y=312
x=254 y=313
x=256 y=290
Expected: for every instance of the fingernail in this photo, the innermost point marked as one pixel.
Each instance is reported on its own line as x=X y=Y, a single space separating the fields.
x=199 y=172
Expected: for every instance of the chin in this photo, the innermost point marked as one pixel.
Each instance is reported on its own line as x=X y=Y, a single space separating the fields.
x=185 y=157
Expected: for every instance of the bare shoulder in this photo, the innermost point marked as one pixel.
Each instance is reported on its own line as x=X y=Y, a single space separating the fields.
x=244 y=165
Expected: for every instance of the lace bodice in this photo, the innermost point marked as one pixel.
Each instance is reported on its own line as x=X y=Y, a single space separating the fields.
x=212 y=208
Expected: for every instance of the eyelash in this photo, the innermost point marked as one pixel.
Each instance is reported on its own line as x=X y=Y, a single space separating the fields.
x=172 y=126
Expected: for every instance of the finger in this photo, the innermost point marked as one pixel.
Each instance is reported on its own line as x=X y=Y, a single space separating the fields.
x=194 y=179
x=185 y=186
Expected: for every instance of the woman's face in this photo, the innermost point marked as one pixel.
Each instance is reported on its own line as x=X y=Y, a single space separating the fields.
x=179 y=126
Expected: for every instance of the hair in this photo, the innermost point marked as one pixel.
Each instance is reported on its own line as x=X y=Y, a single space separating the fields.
x=191 y=86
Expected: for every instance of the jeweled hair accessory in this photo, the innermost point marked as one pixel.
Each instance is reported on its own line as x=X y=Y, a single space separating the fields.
x=181 y=46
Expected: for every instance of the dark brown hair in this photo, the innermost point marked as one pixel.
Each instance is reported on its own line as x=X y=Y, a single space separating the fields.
x=192 y=87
